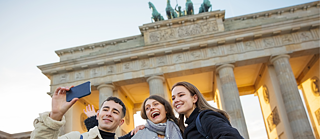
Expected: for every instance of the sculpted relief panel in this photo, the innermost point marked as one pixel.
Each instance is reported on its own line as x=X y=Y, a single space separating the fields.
x=305 y=36
x=210 y=51
x=268 y=42
x=95 y=72
x=273 y=119
x=249 y=45
x=183 y=31
x=79 y=75
x=287 y=39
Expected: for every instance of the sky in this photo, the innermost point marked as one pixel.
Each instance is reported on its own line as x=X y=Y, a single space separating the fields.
x=31 y=31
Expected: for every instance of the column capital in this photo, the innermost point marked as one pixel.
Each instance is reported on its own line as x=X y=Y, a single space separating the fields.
x=224 y=66
x=155 y=77
x=273 y=59
x=106 y=85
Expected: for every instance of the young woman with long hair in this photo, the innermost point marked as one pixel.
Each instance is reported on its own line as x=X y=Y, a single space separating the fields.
x=189 y=102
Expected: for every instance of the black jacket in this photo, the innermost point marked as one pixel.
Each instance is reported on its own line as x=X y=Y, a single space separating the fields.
x=92 y=122
x=215 y=125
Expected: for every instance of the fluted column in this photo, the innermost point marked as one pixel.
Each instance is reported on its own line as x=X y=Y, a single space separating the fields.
x=232 y=99
x=297 y=116
x=156 y=86
x=105 y=91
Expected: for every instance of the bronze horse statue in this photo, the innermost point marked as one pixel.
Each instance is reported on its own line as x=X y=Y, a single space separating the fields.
x=156 y=16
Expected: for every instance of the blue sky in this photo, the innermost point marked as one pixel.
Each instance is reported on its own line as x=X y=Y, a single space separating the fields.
x=30 y=32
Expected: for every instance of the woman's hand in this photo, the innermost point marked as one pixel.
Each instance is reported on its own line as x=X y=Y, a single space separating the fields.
x=89 y=111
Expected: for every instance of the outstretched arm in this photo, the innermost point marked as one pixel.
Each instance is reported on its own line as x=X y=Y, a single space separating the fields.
x=59 y=104
x=49 y=123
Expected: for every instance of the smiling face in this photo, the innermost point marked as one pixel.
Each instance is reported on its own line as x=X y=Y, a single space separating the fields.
x=182 y=100
x=109 y=116
x=155 y=111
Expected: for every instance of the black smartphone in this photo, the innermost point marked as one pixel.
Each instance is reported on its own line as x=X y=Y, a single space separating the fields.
x=79 y=91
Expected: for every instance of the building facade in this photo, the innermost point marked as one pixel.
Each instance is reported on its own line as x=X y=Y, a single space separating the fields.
x=271 y=54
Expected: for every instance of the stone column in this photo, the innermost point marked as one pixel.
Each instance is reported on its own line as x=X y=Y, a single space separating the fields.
x=156 y=86
x=297 y=116
x=105 y=91
x=232 y=99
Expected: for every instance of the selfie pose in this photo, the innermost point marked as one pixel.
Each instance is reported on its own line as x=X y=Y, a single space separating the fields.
x=161 y=122
x=203 y=120
x=110 y=117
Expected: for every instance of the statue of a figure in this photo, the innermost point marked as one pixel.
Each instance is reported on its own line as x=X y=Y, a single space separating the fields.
x=180 y=13
x=189 y=8
x=155 y=15
x=205 y=6
x=170 y=12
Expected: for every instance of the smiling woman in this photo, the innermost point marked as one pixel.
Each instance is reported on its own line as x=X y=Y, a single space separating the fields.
x=161 y=122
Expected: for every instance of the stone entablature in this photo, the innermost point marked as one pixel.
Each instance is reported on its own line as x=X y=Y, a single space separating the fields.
x=278 y=12
x=100 y=47
x=202 y=58
x=220 y=39
x=183 y=27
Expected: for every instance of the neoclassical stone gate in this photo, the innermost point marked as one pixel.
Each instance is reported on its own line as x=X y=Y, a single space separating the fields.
x=271 y=54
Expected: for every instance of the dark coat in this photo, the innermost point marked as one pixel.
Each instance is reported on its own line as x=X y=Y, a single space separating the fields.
x=215 y=125
x=92 y=122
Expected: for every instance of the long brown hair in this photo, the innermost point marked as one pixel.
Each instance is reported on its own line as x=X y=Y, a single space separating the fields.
x=201 y=103
x=165 y=103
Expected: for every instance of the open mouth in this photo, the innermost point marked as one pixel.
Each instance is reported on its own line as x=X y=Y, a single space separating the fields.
x=155 y=114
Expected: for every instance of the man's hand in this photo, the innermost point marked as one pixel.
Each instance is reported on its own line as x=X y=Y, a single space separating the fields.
x=59 y=104
x=89 y=111
x=135 y=130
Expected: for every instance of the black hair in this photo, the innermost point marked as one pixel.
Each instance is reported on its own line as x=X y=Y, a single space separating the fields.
x=117 y=100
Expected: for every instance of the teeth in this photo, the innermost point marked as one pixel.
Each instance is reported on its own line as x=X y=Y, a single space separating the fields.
x=152 y=115
x=178 y=105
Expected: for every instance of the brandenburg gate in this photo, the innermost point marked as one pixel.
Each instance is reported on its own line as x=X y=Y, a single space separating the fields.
x=271 y=54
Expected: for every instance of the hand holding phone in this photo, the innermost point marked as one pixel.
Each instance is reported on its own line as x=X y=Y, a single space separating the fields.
x=79 y=91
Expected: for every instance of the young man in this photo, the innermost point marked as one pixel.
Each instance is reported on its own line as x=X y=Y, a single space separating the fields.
x=109 y=117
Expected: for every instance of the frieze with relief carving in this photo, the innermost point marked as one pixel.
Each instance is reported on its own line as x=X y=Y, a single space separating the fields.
x=111 y=69
x=268 y=42
x=287 y=39
x=79 y=75
x=127 y=66
x=177 y=58
x=162 y=60
x=249 y=45
x=232 y=48
x=196 y=54
x=305 y=36
x=183 y=31
x=95 y=72
x=144 y=63
x=214 y=51
x=64 y=78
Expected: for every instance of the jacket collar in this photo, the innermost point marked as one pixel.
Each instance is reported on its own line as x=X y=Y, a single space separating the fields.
x=192 y=116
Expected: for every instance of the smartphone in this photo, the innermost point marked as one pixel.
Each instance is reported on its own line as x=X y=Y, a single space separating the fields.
x=79 y=91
